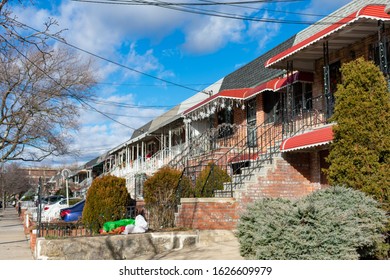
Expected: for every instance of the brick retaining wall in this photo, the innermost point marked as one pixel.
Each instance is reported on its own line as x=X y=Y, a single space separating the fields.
x=207 y=213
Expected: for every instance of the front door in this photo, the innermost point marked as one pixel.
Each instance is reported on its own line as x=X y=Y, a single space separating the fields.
x=251 y=123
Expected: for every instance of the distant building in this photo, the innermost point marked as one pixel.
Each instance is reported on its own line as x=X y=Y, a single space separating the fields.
x=46 y=173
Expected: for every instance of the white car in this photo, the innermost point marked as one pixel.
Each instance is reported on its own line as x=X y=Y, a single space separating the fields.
x=51 y=212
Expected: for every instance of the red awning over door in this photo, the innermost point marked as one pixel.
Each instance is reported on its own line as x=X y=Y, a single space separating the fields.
x=310 y=139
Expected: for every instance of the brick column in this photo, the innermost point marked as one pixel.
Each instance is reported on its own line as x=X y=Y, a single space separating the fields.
x=315 y=167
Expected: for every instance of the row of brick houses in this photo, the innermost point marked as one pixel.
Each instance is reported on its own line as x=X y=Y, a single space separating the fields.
x=266 y=124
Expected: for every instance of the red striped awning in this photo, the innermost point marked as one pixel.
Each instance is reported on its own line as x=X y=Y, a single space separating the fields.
x=296 y=77
x=370 y=12
x=245 y=93
x=228 y=93
x=280 y=83
x=310 y=139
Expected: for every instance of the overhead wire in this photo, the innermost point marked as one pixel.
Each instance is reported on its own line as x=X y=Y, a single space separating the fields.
x=124 y=66
x=189 y=8
x=109 y=60
x=163 y=3
x=277 y=11
x=81 y=101
x=139 y=2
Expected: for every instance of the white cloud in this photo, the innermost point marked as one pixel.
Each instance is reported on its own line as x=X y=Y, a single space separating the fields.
x=98 y=134
x=211 y=34
x=263 y=31
x=104 y=28
x=144 y=63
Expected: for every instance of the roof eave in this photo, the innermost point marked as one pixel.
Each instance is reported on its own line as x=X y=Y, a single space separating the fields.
x=370 y=12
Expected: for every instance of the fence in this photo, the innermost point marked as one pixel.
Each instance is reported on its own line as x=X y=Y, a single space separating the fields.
x=62 y=229
x=158 y=217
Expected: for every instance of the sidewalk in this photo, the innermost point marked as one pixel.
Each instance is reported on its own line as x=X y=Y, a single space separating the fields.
x=14 y=244
x=224 y=250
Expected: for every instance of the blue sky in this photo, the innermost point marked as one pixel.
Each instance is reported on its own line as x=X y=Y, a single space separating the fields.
x=184 y=48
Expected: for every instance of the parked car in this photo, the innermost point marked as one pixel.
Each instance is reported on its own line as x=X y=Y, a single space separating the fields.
x=52 y=211
x=49 y=200
x=72 y=213
x=52 y=199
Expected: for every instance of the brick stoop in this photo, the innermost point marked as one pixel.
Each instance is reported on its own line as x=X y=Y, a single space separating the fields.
x=287 y=177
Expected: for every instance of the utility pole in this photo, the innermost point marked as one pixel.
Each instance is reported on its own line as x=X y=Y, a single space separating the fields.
x=65 y=173
x=2 y=185
x=39 y=212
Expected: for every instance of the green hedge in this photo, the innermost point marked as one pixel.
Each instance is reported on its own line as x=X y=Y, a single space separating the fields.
x=332 y=224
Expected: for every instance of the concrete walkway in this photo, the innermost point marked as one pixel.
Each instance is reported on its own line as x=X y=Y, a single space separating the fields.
x=223 y=250
x=14 y=244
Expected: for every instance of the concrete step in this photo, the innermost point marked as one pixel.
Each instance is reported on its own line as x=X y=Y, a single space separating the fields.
x=237 y=185
x=245 y=177
x=223 y=193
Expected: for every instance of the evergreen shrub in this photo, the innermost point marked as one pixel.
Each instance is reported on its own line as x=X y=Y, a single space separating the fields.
x=336 y=223
x=360 y=153
x=215 y=177
x=107 y=200
x=162 y=192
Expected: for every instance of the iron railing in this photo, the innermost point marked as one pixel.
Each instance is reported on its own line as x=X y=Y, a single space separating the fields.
x=257 y=147
x=270 y=142
x=62 y=229
x=221 y=136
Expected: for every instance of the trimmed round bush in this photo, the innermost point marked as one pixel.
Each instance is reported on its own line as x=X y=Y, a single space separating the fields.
x=107 y=200
x=336 y=223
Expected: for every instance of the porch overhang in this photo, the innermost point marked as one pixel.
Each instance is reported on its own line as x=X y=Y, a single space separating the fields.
x=220 y=100
x=224 y=94
x=315 y=138
x=303 y=77
x=348 y=30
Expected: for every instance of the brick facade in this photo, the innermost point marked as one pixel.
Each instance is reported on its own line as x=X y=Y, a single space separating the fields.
x=207 y=213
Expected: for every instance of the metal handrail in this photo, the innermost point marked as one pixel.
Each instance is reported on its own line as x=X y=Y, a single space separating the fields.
x=202 y=144
x=272 y=132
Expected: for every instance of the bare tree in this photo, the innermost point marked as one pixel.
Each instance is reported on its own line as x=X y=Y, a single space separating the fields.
x=19 y=33
x=41 y=88
x=16 y=179
x=13 y=181
x=38 y=102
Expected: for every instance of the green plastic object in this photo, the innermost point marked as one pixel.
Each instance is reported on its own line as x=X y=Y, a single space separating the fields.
x=111 y=225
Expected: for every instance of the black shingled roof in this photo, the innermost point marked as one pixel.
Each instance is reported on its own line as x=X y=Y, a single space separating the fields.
x=254 y=73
